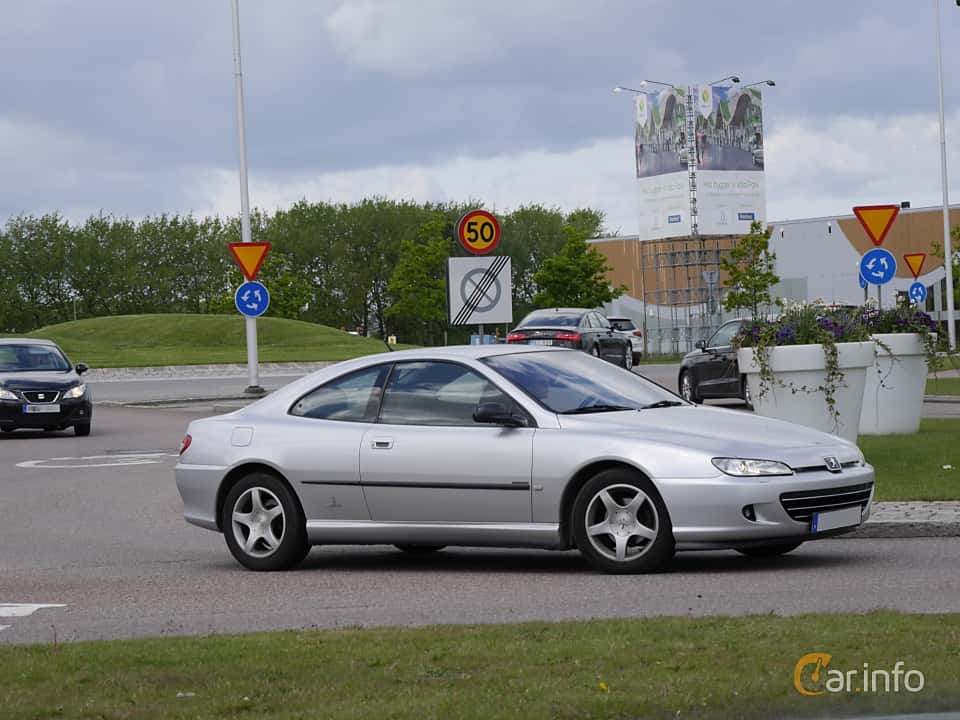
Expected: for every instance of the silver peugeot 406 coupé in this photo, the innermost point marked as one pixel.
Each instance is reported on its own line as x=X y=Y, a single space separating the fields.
x=516 y=447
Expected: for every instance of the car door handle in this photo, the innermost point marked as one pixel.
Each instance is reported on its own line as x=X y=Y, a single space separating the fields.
x=382 y=443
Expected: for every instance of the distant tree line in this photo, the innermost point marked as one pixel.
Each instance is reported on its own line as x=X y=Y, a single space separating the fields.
x=377 y=266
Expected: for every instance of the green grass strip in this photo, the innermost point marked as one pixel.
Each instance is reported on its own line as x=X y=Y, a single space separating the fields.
x=922 y=466
x=656 y=667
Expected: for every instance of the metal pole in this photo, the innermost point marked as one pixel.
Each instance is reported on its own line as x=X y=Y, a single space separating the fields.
x=252 y=369
x=947 y=250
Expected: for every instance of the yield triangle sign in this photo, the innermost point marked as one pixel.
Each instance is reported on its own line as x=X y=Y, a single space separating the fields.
x=249 y=257
x=876 y=220
x=915 y=261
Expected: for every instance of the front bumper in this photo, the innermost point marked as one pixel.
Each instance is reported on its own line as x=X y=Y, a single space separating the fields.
x=708 y=514
x=72 y=412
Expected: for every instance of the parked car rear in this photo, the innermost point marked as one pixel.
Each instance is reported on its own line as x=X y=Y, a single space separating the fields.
x=625 y=326
x=577 y=328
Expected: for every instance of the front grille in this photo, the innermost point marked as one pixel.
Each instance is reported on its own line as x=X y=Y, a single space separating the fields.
x=823 y=468
x=41 y=396
x=802 y=504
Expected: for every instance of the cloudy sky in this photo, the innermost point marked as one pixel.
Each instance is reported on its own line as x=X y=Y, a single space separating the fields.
x=127 y=107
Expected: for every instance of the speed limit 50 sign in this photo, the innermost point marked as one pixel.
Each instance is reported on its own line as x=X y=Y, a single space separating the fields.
x=478 y=232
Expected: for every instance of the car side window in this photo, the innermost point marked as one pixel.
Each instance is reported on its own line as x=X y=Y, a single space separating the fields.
x=724 y=336
x=603 y=322
x=437 y=393
x=589 y=321
x=354 y=397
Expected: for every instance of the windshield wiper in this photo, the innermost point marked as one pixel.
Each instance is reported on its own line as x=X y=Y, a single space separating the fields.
x=599 y=407
x=662 y=404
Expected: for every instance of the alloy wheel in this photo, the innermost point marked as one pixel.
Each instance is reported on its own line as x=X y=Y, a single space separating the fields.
x=258 y=522
x=622 y=522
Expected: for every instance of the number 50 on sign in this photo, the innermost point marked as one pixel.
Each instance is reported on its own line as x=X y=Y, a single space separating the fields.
x=478 y=232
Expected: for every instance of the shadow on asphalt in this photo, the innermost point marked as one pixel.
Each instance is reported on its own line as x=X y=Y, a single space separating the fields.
x=359 y=559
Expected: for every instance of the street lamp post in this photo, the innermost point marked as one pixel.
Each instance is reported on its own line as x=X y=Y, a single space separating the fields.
x=947 y=249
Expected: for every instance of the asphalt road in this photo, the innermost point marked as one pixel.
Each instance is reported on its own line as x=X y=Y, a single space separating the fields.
x=94 y=525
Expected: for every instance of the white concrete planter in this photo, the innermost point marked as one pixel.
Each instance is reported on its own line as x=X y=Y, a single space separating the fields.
x=893 y=394
x=799 y=366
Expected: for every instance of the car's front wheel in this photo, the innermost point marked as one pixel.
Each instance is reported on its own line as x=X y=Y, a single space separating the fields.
x=688 y=388
x=263 y=523
x=765 y=551
x=621 y=525
x=81 y=430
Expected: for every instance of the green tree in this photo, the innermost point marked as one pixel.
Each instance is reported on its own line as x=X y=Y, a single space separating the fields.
x=750 y=272
x=418 y=283
x=576 y=277
x=937 y=249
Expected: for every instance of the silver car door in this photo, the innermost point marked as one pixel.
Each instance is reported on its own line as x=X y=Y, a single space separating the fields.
x=427 y=460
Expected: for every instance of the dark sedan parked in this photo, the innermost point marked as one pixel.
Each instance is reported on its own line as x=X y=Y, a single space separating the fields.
x=711 y=371
x=41 y=389
x=576 y=328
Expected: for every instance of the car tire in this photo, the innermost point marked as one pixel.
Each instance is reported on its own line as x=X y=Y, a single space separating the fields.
x=82 y=430
x=636 y=357
x=419 y=549
x=640 y=538
x=595 y=351
x=262 y=504
x=627 y=362
x=766 y=551
x=688 y=388
x=745 y=392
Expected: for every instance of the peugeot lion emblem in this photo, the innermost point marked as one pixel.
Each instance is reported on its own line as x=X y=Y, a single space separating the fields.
x=833 y=465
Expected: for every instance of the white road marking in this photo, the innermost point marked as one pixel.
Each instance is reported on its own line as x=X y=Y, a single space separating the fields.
x=97 y=461
x=23 y=609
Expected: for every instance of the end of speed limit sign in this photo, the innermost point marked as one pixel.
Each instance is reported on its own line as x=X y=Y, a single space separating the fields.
x=478 y=232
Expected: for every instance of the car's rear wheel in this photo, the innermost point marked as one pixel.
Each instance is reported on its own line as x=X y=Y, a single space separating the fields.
x=688 y=388
x=263 y=523
x=621 y=525
x=745 y=392
x=595 y=351
x=627 y=361
x=762 y=551
x=82 y=430
x=419 y=549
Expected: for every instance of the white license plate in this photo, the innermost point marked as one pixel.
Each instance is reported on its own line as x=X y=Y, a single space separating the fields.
x=51 y=408
x=540 y=342
x=848 y=517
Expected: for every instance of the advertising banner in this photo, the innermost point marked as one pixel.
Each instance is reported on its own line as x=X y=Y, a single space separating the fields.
x=661 y=163
x=729 y=144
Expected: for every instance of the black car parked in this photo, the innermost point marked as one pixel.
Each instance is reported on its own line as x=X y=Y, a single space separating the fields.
x=41 y=389
x=577 y=328
x=711 y=371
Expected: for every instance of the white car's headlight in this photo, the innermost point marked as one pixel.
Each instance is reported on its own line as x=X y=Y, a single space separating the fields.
x=75 y=392
x=7 y=395
x=745 y=467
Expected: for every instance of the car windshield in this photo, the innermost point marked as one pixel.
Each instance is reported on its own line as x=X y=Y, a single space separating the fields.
x=32 y=358
x=622 y=324
x=551 y=320
x=572 y=381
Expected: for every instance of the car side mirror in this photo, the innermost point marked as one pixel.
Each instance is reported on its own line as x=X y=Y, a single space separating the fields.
x=700 y=345
x=81 y=368
x=493 y=413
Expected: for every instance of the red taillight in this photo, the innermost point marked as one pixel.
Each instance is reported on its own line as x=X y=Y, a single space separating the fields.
x=637 y=333
x=572 y=337
x=185 y=444
x=516 y=337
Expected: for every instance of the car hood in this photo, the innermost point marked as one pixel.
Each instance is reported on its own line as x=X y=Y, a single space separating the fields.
x=39 y=380
x=721 y=433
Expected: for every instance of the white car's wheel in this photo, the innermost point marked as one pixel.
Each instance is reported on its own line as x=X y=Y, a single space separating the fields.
x=621 y=524
x=263 y=524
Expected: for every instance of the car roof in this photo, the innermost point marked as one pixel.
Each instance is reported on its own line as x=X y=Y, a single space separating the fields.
x=455 y=352
x=27 y=341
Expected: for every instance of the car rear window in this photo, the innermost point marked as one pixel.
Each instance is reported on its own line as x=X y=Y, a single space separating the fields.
x=552 y=320
x=622 y=324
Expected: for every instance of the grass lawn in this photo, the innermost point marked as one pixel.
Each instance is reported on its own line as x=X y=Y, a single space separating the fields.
x=140 y=340
x=943 y=386
x=910 y=467
x=657 y=667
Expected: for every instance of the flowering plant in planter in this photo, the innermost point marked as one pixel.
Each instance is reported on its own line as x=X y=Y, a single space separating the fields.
x=805 y=324
x=905 y=319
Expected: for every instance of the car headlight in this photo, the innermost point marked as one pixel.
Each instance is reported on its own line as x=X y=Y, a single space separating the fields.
x=77 y=391
x=745 y=467
x=7 y=395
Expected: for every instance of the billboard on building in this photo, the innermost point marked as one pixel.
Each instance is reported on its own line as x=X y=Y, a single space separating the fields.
x=660 y=155
x=729 y=146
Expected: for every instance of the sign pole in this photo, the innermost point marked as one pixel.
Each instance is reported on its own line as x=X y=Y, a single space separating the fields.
x=947 y=250
x=253 y=379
